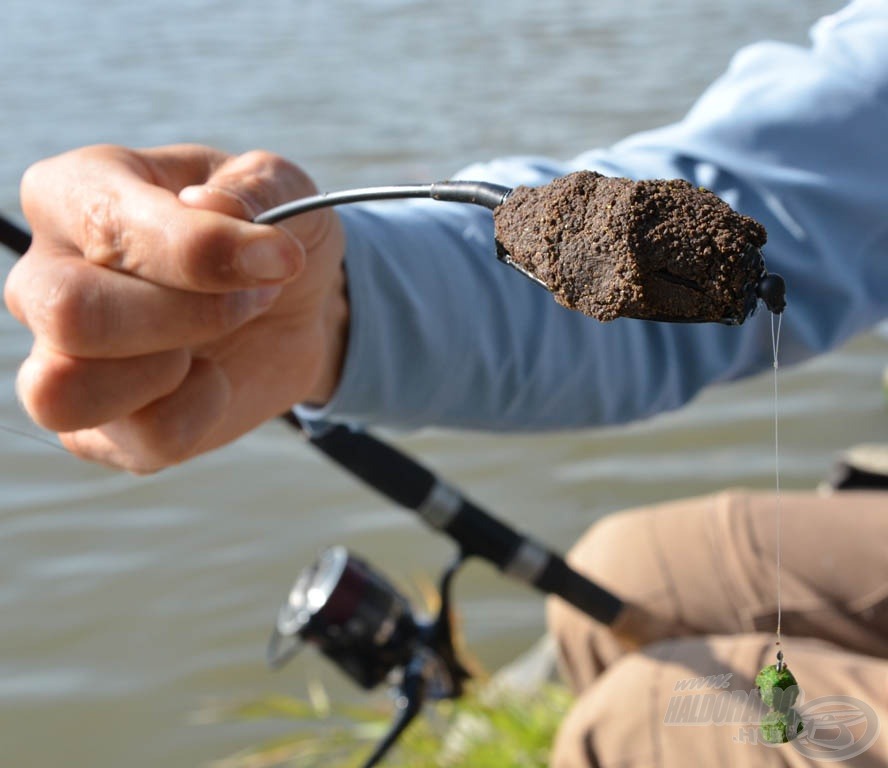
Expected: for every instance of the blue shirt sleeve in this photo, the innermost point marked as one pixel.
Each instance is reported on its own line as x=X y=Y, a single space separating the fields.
x=441 y=333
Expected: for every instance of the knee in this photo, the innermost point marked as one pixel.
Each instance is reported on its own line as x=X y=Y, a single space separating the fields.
x=647 y=555
x=616 y=553
x=609 y=549
x=606 y=555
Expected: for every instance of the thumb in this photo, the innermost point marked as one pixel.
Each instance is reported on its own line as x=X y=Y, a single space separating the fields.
x=246 y=185
x=264 y=261
x=213 y=197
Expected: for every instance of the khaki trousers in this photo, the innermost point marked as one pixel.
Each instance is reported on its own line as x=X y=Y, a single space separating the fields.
x=708 y=566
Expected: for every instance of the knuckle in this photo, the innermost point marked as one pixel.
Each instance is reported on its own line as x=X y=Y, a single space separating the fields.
x=29 y=184
x=74 y=312
x=259 y=158
x=45 y=181
x=266 y=179
x=32 y=184
x=47 y=389
x=103 y=236
x=265 y=164
x=13 y=293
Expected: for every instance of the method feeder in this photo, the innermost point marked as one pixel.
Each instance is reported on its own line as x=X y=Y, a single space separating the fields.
x=768 y=287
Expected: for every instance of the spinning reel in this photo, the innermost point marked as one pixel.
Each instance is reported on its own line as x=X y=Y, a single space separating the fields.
x=359 y=621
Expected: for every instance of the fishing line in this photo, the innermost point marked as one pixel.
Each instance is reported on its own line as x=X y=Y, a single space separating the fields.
x=35 y=437
x=777 y=686
x=775 y=346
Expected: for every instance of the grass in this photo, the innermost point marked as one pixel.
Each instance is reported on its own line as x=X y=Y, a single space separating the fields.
x=483 y=729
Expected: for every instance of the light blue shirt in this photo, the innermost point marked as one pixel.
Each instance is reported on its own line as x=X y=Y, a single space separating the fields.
x=441 y=333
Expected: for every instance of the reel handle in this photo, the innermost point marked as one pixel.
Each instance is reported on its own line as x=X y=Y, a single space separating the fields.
x=408 y=705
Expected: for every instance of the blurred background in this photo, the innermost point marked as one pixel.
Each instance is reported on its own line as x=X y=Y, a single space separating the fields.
x=126 y=604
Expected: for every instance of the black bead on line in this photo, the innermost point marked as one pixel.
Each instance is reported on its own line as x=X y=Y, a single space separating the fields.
x=771 y=289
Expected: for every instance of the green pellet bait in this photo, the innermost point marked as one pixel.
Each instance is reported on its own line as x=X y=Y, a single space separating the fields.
x=778 y=687
x=779 y=691
x=781 y=727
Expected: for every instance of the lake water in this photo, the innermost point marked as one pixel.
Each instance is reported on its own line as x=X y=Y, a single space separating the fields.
x=126 y=604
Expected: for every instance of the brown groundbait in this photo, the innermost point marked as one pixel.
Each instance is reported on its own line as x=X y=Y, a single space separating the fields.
x=655 y=250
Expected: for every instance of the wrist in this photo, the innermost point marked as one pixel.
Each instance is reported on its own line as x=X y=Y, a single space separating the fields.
x=335 y=325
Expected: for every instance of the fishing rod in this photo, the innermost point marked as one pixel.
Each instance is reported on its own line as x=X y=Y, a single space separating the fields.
x=356 y=618
x=14 y=237
x=439 y=504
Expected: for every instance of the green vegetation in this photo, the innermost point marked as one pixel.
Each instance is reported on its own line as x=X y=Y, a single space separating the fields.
x=505 y=730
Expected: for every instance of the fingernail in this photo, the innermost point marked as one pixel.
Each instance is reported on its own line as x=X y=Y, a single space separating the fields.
x=264 y=260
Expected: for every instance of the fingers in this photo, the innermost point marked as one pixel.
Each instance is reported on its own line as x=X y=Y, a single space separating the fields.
x=201 y=269
x=160 y=311
x=258 y=180
x=166 y=432
x=63 y=393
x=149 y=233
x=86 y=312
x=246 y=185
x=118 y=208
x=58 y=193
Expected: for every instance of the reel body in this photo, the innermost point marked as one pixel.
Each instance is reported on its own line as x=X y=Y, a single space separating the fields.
x=356 y=618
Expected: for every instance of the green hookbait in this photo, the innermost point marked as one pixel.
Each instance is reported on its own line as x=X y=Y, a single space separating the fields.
x=781 y=727
x=779 y=691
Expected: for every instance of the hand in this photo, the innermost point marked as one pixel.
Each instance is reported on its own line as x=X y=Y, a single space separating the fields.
x=165 y=324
